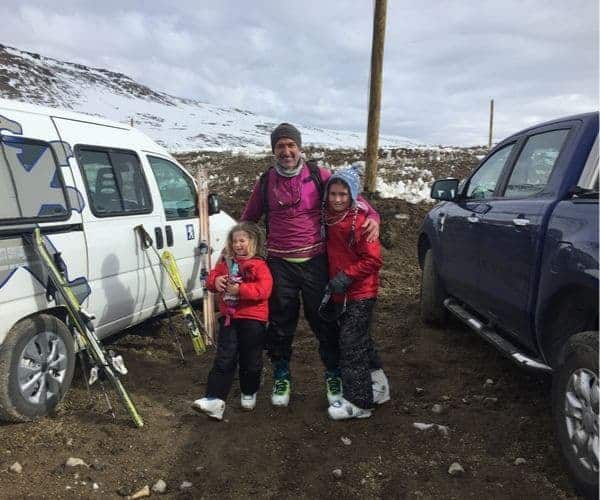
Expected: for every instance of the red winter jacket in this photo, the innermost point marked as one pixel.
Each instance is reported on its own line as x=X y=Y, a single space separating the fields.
x=360 y=261
x=255 y=288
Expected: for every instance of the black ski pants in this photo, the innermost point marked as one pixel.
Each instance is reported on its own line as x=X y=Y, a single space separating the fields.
x=290 y=281
x=241 y=342
x=358 y=352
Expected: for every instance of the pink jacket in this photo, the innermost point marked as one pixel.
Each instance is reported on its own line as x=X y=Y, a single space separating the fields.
x=294 y=213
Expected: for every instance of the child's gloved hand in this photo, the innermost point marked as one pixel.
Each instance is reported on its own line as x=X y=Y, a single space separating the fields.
x=339 y=283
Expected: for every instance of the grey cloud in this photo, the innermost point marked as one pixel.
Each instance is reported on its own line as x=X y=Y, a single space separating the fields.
x=309 y=61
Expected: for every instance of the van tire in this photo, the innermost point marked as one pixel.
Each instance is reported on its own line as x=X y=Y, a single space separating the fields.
x=37 y=360
x=580 y=357
x=433 y=311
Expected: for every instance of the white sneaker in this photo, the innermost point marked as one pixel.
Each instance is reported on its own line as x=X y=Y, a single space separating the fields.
x=213 y=407
x=281 y=392
x=248 y=401
x=381 y=387
x=343 y=410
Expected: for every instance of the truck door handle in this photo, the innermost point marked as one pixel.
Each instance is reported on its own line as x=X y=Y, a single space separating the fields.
x=158 y=238
x=169 y=232
x=520 y=222
x=473 y=219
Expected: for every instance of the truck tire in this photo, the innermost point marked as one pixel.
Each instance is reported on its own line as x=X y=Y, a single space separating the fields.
x=37 y=360
x=433 y=311
x=575 y=398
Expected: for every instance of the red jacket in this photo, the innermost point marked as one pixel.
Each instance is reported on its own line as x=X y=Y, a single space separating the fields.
x=255 y=288
x=360 y=261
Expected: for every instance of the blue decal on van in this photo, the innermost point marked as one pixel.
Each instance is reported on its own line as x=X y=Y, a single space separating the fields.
x=62 y=151
x=76 y=199
x=189 y=228
x=80 y=285
x=34 y=153
x=10 y=125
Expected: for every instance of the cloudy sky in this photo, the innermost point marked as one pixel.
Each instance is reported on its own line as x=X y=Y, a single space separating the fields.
x=308 y=61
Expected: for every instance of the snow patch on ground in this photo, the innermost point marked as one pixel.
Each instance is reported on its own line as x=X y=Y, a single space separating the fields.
x=412 y=191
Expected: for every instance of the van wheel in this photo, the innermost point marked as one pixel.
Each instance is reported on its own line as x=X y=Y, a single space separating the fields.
x=37 y=360
x=576 y=395
x=433 y=311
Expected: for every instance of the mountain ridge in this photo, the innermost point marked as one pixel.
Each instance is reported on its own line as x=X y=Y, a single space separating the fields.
x=179 y=124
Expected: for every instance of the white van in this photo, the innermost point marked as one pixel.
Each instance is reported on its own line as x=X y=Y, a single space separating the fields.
x=87 y=182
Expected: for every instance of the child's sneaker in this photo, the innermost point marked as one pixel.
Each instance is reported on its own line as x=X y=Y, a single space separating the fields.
x=248 y=401
x=281 y=392
x=213 y=407
x=381 y=387
x=343 y=410
x=333 y=382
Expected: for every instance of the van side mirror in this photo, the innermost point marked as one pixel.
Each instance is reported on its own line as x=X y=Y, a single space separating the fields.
x=445 y=189
x=213 y=204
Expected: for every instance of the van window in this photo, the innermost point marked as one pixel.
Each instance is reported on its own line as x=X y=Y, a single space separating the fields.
x=114 y=181
x=177 y=190
x=535 y=163
x=31 y=185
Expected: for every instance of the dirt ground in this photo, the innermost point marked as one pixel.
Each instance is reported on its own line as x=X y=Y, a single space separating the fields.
x=292 y=452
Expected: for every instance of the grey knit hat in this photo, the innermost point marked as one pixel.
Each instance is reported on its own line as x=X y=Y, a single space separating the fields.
x=285 y=130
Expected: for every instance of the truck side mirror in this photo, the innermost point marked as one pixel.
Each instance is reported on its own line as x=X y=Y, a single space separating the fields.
x=445 y=189
x=213 y=204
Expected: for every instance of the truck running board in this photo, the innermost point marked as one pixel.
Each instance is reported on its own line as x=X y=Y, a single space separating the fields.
x=496 y=340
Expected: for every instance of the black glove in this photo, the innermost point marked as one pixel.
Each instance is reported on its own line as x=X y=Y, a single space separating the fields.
x=339 y=283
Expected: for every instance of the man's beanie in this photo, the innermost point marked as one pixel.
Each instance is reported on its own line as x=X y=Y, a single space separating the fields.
x=351 y=177
x=288 y=131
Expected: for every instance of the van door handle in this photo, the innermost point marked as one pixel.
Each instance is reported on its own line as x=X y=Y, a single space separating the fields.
x=169 y=233
x=473 y=219
x=520 y=222
x=158 y=238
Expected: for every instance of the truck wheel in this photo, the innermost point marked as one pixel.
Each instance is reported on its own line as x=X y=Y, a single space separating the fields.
x=37 y=360
x=576 y=394
x=433 y=311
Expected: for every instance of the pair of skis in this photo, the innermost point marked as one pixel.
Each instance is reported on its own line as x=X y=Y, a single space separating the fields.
x=168 y=264
x=104 y=364
x=208 y=303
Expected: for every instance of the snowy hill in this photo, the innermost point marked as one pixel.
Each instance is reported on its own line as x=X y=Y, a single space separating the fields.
x=176 y=123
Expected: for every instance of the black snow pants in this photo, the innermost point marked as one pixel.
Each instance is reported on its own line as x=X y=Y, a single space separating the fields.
x=241 y=342
x=358 y=354
x=290 y=281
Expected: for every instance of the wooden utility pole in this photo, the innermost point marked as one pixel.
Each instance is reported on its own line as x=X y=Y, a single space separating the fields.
x=491 y=123
x=375 y=94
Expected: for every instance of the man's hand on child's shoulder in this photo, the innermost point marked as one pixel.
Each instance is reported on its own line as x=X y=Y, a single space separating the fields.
x=371 y=229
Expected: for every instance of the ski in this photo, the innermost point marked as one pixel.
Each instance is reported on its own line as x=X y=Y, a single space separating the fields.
x=191 y=320
x=168 y=264
x=208 y=305
x=58 y=287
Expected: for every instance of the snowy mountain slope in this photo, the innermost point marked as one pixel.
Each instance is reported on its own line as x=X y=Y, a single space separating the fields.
x=176 y=123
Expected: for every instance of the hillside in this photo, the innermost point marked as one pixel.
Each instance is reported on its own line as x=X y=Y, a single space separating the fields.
x=176 y=123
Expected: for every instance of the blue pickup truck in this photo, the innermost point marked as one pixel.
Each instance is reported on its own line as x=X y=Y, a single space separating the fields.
x=512 y=251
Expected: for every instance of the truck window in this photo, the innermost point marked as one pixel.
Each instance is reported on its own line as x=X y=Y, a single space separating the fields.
x=535 y=163
x=177 y=190
x=483 y=182
x=31 y=186
x=114 y=181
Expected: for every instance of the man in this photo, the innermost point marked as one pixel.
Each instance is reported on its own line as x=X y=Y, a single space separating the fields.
x=290 y=196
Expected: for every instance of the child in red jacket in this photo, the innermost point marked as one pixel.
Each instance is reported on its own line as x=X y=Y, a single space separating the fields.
x=354 y=265
x=243 y=282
